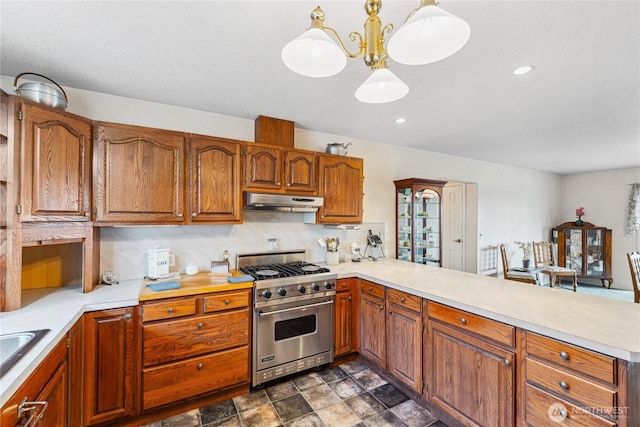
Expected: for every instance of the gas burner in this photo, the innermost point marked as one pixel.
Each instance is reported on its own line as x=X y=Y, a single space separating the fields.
x=310 y=268
x=267 y=272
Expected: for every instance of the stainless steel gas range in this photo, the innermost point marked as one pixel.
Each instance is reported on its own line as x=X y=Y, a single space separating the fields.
x=292 y=313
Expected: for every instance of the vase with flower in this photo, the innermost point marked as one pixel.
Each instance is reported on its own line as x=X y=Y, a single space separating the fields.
x=526 y=254
x=579 y=214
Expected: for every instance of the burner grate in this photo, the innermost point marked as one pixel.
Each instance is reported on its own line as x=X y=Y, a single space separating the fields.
x=275 y=271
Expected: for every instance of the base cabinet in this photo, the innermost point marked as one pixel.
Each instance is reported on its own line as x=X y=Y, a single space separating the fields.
x=111 y=364
x=345 y=317
x=372 y=323
x=471 y=377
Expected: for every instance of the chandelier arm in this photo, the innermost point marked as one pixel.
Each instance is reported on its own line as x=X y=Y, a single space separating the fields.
x=353 y=36
x=423 y=3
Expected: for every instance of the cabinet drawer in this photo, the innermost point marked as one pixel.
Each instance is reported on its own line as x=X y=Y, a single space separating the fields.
x=372 y=288
x=488 y=328
x=404 y=299
x=168 y=309
x=225 y=301
x=178 y=339
x=585 y=361
x=176 y=381
x=544 y=409
x=570 y=386
x=345 y=285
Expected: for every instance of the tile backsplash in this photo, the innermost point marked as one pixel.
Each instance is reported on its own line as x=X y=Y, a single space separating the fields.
x=124 y=249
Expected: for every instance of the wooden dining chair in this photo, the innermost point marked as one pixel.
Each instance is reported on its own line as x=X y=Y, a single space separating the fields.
x=544 y=259
x=634 y=266
x=518 y=276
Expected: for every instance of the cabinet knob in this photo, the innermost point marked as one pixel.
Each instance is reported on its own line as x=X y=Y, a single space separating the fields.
x=193 y=215
x=463 y=320
x=564 y=355
x=227 y=302
x=389 y=311
x=563 y=385
x=401 y=299
x=288 y=185
x=349 y=297
x=506 y=362
x=381 y=308
x=127 y=316
x=278 y=183
x=563 y=413
x=199 y=366
x=200 y=325
x=370 y=288
x=179 y=215
x=170 y=310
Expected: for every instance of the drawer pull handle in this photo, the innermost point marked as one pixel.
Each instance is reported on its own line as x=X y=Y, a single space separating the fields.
x=564 y=355
x=401 y=299
x=170 y=310
x=506 y=362
x=564 y=385
x=200 y=325
x=227 y=302
x=199 y=366
x=463 y=320
x=31 y=408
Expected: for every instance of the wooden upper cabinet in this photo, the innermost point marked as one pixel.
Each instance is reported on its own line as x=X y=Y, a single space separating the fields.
x=263 y=168
x=139 y=175
x=341 y=182
x=214 y=169
x=56 y=174
x=301 y=172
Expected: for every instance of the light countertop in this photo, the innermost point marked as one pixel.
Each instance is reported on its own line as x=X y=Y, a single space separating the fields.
x=605 y=325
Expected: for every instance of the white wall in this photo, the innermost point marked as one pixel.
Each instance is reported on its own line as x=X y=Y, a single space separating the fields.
x=605 y=197
x=513 y=203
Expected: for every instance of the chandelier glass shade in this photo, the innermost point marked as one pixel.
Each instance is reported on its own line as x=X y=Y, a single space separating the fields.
x=429 y=35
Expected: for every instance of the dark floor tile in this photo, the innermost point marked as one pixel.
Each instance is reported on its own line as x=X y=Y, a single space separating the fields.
x=217 y=412
x=233 y=421
x=365 y=405
x=281 y=390
x=309 y=420
x=292 y=407
x=413 y=415
x=251 y=400
x=389 y=395
x=368 y=379
x=308 y=380
x=354 y=366
x=385 y=419
x=331 y=374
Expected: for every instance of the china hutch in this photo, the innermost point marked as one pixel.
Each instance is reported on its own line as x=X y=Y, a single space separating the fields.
x=586 y=249
x=419 y=221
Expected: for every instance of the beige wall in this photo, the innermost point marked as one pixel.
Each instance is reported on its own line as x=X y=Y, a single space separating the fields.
x=513 y=203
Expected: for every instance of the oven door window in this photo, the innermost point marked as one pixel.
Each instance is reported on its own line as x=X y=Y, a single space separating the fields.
x=299 y=326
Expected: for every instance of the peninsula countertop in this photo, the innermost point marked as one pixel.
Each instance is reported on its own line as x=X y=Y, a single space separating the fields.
x=605 y=325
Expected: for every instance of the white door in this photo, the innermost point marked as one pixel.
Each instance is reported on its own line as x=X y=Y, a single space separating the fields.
x=453 y=227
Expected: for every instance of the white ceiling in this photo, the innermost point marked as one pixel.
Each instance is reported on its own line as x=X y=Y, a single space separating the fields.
x=579 y=111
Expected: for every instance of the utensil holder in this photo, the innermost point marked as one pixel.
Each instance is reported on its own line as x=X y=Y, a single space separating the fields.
x=332 y=258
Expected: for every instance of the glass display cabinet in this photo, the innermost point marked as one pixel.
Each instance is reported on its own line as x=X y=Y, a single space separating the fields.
x=418 y=220
x=585 y=249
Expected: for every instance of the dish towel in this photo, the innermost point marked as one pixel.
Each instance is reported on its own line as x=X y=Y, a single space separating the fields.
x=163 y=286
x=240 y=279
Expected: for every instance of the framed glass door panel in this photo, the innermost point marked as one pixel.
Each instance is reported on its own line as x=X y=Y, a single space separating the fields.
x=574 y=249
x=595 y=252
x=405 y=228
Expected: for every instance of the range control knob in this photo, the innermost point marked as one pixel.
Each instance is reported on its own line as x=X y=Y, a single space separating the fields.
x=282 y=292
x=315 y=287
x=328 y=285
x=266 y=294
x=302 y=289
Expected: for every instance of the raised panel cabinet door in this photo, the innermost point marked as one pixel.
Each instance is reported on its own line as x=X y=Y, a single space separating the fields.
x=139 y=175
x=263 y=168
x=404 y=346
x=111 y=375
x=343 y=338
x=56 y=174
x=471 y=379
x=372 y=329
x=300 y=171
x=341 y=184
x=55 y=394
x=214 y=170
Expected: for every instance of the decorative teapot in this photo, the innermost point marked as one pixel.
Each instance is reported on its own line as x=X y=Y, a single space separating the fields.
x=336 y=148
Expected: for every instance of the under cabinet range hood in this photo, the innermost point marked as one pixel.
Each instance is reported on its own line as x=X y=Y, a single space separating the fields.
x=281 y=202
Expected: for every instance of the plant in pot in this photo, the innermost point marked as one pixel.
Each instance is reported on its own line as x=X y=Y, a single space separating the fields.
x=526 y=254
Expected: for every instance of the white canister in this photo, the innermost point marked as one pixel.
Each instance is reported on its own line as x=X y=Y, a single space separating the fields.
x=158 y=264
x=332 y=258
x=191 y=269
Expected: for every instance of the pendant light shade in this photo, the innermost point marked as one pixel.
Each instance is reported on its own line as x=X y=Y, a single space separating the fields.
x=381 y=86
x=430 y=35
x=314 y=54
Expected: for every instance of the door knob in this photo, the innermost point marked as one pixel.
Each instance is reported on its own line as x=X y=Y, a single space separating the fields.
x=458 y=240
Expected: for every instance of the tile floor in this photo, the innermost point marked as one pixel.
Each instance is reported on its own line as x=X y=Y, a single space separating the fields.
x=349 y=395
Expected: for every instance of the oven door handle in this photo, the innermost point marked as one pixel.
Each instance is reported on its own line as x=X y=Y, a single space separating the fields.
x=269 y=313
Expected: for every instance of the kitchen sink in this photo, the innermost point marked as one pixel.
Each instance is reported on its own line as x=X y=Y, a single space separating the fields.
x=14 y=346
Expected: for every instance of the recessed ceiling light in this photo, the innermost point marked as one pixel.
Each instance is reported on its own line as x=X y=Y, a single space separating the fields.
x=523 y=70
x=401 y=120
